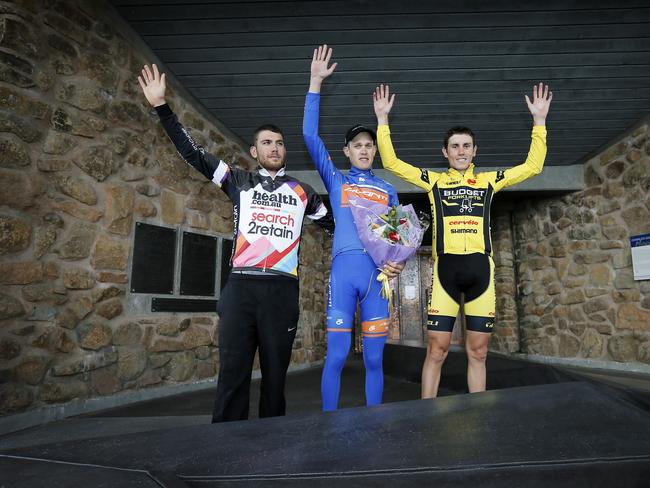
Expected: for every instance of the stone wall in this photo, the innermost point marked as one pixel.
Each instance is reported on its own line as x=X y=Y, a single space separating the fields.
x=577 y=295
x=82 y=158
x=506 y=328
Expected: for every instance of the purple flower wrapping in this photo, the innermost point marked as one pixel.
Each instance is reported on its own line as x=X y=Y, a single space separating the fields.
x=366 y=213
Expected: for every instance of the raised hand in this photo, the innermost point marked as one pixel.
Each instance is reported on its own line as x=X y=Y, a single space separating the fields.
x=383 y=103
x=319 y=62
x=319 y=68
x=153 y=85
x=540 y=104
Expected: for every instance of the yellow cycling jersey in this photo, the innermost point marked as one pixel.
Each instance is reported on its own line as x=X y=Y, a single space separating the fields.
x=460 y=203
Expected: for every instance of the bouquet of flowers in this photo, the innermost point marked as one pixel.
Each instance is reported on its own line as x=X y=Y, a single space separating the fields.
x=387 y=233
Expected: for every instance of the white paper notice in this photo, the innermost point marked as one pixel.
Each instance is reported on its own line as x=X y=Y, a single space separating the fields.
x=410 y=292
x=641 y=256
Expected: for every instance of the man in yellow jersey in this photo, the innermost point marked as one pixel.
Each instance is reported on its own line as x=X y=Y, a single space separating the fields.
x=461 y=245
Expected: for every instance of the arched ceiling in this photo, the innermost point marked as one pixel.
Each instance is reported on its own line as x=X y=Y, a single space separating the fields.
x=450 y=63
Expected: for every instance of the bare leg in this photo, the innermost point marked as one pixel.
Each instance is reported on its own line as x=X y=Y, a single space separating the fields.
x=437 y=350
x=476 y=345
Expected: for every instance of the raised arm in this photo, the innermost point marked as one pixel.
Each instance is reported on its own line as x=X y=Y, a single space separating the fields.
x=153 y=86
x=538 y=107
x=319 y=68
x=383 y=103
x=319 y=71
x=540 y=104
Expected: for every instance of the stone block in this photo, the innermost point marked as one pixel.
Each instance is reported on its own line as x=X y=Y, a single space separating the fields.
x=78 y=243
x=615 y=169
x=568 y=345
x=24 y=129
x=52 y=165
x=104 y=381
x=110 y=254
x=623 y=348
x=577 y=269
x=62 y=390
x=108 y=277
x=613 y=152
x=32 y=369
x=132 y=361
x=592 y=344
x=166 y=180
x=75 y=278
x=630 y=295
x=621 y=259
x=206 y=369
x=18 y=191
x=84 y=362
x=128 y=114
x=94 y=335
x=97 y=161
x=15 y=234
x=590 y=257
x=172 y=208
x=77 y=209
x=166 y=345
x=127 y=334
x=130 y=172
x=9 y=349
x=119 y=209
x=100 y=68
x=13 y=153
x=44 y=239
x=595 y=292
x=21 y=273
x=158 y=360
x=145 y=208
x=110 y=308
x=644 y=352
x=624 y=279
x=83 y=96
x=181 y=366
x=600 y=275
x=612 y=245
x=168 y=328
x=78 y=189
x=630 y=316
x=147 y=190
x=615 y=232
x=106 y=292
x=202 y=352
x=637 y=220
x=14 y=398
x=196 y=336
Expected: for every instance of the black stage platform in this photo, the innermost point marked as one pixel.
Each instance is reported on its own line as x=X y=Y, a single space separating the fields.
x=564 y=433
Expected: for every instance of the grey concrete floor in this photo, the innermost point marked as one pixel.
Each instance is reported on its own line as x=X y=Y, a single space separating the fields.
x=302 y=393
x=178 y=411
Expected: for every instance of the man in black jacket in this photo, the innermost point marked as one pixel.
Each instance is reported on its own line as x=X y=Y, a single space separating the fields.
x=259 y=305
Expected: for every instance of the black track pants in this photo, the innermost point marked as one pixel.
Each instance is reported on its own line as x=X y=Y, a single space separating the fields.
x=255 y=311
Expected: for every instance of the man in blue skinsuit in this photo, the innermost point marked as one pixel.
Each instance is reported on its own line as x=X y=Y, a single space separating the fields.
x=354 y=274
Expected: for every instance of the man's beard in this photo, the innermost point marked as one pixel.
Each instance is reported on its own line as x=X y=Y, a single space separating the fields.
x=271 y=165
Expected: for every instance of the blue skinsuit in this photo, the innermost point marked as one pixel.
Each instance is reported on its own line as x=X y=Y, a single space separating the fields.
x=354 y=275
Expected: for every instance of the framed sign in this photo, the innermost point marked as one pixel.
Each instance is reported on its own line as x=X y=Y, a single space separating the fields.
x=154 y=254
x=640 y=246
x=198 y=264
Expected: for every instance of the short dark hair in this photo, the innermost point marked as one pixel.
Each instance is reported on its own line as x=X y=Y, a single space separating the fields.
x=271 y=127
x=459 y=129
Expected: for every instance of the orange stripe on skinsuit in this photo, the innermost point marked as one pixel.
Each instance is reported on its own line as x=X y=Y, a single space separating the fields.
x=366 y=193
x=375 y=327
